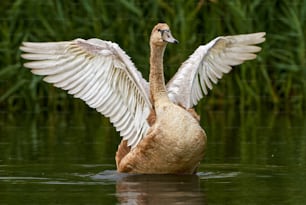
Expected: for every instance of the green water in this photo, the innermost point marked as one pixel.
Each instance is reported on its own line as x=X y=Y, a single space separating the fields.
x=63 y=158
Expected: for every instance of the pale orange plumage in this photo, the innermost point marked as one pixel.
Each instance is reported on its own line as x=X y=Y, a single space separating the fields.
x=175 y=142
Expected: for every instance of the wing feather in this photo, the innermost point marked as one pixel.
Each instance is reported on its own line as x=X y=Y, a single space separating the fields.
x=207 y=65
x=100 y=73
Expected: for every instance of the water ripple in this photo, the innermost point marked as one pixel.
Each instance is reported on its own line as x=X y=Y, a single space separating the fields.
x=217 y=175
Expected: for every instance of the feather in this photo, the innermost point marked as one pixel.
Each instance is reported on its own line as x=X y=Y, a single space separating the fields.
x=210 y=62
x=100 y=73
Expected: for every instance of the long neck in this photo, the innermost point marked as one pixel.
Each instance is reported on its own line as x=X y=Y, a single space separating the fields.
x=157 y=81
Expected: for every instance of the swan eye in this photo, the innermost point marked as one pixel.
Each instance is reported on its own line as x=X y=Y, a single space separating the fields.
x=162 y=31
x=166 y=36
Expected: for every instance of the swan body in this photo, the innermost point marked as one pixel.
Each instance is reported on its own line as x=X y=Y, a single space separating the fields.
x=160 y=131
x=170 y=146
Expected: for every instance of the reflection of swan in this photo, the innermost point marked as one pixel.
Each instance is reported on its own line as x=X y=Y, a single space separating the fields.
x=160 y=189
x=160 y=131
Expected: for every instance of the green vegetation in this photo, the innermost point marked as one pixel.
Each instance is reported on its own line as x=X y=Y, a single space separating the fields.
x=276 y=79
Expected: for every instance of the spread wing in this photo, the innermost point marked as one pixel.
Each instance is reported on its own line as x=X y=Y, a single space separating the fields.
x=100 y=73
x=208 y=64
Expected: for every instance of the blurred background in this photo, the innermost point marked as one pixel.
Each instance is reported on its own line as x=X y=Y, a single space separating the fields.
x=276 y=79
x=54 y=149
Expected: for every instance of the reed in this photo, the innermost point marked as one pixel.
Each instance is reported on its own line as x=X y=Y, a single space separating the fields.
x=276 y=78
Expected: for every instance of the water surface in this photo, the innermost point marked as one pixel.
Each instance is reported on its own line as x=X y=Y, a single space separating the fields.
x=65 y=158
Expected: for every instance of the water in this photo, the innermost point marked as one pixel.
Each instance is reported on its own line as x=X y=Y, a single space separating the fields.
x=64 y=158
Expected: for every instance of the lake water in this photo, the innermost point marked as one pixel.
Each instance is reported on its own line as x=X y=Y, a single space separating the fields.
x=63 y=158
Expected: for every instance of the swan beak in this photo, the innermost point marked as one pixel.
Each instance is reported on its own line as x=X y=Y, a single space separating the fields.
x=167 y=37
x=174 y=41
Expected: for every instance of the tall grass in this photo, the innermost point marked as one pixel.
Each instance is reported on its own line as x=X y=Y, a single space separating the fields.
x=276 y=78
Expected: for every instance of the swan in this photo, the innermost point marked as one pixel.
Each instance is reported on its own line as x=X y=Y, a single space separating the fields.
x=160 y=130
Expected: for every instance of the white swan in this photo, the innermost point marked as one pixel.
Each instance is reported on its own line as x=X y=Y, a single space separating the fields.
x=160 y=131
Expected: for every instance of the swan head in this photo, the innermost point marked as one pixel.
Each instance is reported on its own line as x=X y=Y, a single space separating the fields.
x=161 y=35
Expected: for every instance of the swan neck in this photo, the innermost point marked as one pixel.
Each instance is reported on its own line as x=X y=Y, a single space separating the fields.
x=157 y=81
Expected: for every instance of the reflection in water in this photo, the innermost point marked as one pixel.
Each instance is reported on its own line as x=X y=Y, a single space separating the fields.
x=139 y=189
x=252 y=157
x=159 y=189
